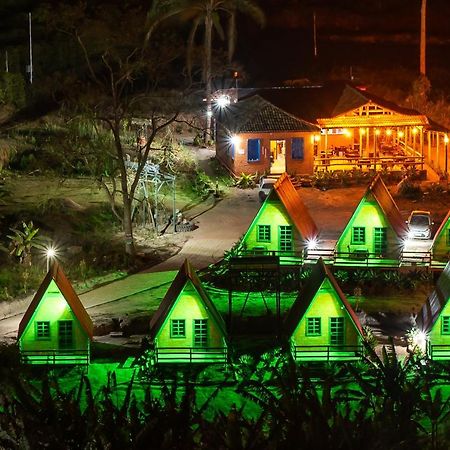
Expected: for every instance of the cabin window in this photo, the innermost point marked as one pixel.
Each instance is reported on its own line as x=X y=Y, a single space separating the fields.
x=336 y=330
x=178 y=328
x=285 y=238
x=42 y=330
x=253 y=150
x=358 y=235
x=446 y=325
x=380 y=241
x=65 y=334
x=200 y=332
x=298 y=148
x=313 y=326
x=263 y=234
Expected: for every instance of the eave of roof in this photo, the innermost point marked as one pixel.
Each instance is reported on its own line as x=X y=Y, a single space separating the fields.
x=295 y=207
x=388 y=205
x=185 y=274
x=57 y=275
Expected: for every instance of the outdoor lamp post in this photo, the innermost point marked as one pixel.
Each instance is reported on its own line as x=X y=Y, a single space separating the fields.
x=446 y=139
x=50 y=253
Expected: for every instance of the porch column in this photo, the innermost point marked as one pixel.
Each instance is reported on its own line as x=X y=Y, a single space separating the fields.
x=421 y=147
x=438 y=160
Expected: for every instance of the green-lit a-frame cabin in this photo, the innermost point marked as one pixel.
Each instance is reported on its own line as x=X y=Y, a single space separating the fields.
x=55 y=329
x=283 y=225
x=441 y=243
x=376 y=231
x=321 y=325
x=187 y=328
x=434 y=318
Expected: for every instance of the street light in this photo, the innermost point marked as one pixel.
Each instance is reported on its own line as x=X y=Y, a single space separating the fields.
x=50 y=253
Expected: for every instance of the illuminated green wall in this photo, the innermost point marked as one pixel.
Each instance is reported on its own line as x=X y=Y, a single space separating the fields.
x=273 y=213
x=369 y=215
x=435 y=335
x=189 y=306
x=326 y=304
x=52 y=307
x=441 y=244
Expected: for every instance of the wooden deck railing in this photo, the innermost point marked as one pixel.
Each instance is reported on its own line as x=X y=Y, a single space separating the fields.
x=439 y=352
x=191 y=355
x=327 y=352
x=51 y=357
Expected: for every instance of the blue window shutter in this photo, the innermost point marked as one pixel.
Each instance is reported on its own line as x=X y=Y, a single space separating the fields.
x=298 y=148
x=253 y=149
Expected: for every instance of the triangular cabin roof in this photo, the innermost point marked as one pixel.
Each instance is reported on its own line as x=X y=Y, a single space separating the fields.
x=333 y=98
x=319 y=274
x=435 y=302
x=442 y=227
x=57 y=275
x=256 y=114
x=378 y=190
x=185 y=274
x=297 y=210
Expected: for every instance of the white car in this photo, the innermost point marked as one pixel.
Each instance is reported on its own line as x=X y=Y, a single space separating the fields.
x=419 y=224
x=265 y=186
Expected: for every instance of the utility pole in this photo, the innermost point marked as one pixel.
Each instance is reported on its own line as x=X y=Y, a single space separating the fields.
x=31 y=49
x=315 y=34
x=6 y=61
x=423 y=37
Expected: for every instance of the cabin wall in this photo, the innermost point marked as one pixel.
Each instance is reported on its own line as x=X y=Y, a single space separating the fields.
x=189 y=306
x=53 y=308
x=435 y=335
x=236 y=161
x=326 y=304
x=369 y=215
x=272 y=213
x=441 y=245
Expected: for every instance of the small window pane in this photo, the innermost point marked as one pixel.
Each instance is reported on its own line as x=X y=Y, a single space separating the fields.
x=313 y=326
x=358 y=235
x=263 y=233
x=298 y=147
x=178 y=328
x=43 y=330
x=446 y=325
x=253 y=149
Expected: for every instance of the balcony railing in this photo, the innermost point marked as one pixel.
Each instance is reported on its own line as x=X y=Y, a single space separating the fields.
x=52 y=357
x=191 y=354
x=327 y=352
x=439 y=352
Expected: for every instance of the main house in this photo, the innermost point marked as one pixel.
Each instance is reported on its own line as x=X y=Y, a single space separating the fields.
x=283 y=225
x=55 y=329
x=321 y=325
x=434 y=318
x=187 y=328
x=376 y=231
x=441 y=242
x=334 y=126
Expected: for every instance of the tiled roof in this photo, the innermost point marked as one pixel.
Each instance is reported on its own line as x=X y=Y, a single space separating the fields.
x=312 y=103
x=435 y=302
x=319 y=273
x=295 y=207
x=185 y=274
x=57 y=275
x=381 y=194
x=258 y=115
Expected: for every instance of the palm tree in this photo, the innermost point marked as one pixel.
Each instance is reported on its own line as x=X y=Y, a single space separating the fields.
x=209 y=13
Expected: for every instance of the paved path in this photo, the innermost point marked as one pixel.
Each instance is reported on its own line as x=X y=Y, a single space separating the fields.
x=219 y=228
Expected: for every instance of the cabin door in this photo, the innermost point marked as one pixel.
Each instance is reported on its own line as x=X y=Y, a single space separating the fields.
x=200 y=333
x=65 y=334
x=336 y=331
x=277 y=156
